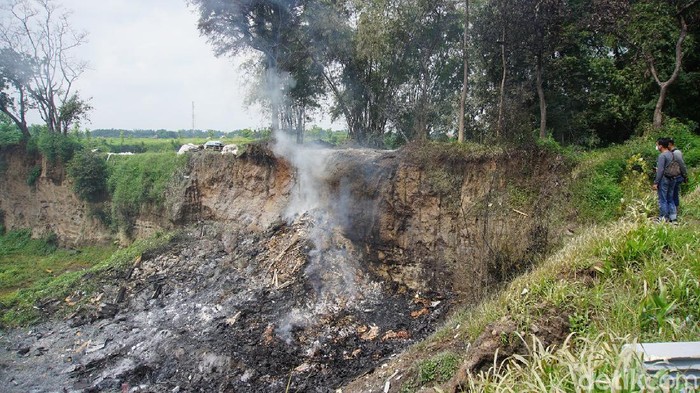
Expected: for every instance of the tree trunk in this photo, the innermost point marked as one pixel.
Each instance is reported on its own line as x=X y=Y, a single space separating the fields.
x=658 y=110
x=663 y=86
x=465 y=85
x=300 y=124
x=501 y=101
x=543 y=102
x=21 y=124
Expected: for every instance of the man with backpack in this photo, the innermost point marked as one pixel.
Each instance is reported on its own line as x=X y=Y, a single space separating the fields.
x=680 y=179
x=668 y=168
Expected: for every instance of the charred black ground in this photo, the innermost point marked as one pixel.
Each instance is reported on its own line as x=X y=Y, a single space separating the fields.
x=226 y=311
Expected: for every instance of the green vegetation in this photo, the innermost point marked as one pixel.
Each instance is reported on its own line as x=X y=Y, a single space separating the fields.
x=137 y=180
x=33 y=175
x=34 y=271
x=56 y=147
x=644 y=288
x=89 y=173
x=437 y=369
x=9 y=134
x=626 y=281
x=607 y=181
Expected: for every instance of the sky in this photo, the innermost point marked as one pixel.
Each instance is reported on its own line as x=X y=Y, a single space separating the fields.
x=148 y=64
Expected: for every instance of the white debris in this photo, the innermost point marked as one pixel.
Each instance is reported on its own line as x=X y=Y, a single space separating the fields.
x=230 y=149
x=188 y=147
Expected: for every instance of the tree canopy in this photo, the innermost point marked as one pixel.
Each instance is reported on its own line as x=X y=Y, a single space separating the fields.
x=37 y=68
x=584 y=72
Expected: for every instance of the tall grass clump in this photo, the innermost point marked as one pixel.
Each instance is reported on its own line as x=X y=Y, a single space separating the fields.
x=581 y=364
x=139 y=180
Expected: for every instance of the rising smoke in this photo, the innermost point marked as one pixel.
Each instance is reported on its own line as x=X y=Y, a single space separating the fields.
x=332 y=269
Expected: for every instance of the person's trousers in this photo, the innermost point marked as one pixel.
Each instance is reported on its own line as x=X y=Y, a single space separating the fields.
x=667 y=208
x=677 y=190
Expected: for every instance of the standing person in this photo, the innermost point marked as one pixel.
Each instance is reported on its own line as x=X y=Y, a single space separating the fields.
x=684 y=173
x=664 y=184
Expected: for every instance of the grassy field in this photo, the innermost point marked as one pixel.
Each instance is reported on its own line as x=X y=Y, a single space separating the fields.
x=152 y=145
x=27 y=265
x=33 y=270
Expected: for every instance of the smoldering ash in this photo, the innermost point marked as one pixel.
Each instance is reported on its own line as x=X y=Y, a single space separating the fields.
x=332 y=268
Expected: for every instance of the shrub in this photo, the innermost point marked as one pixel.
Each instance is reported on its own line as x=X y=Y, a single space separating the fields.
x=33 y=175
x=57 y=147
x=89 y=173
x=9 y=134
x=138 y=180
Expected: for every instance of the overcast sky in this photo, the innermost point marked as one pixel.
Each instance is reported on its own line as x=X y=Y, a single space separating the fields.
x=148 y=63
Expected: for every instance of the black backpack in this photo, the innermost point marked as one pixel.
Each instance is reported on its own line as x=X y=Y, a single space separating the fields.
x=673 y=169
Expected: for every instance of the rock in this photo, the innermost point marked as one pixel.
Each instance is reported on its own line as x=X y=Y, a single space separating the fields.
x=23 y=351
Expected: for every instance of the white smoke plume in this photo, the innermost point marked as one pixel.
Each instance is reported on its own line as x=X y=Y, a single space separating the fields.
x=332 y=270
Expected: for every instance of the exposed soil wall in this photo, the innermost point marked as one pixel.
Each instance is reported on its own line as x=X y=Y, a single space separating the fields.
x=422 y=218
x=49 y=205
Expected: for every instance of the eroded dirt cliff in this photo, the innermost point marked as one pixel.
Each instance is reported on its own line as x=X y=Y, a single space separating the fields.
x=299 y=269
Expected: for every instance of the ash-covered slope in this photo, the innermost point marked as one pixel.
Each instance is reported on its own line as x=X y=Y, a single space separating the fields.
x=297 y=266
x=227 y=311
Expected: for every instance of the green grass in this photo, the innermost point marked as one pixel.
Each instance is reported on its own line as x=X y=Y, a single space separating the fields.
x=152 y=145
x=27 y=264
x=33 y=271
x=606 y=180
x=139 y=180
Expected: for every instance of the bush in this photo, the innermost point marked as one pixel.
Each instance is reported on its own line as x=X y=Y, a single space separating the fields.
x=9 y=134
x=57 y=147
x=89 y=173
x=138 y=180
x=33 y=175
x=601 y=188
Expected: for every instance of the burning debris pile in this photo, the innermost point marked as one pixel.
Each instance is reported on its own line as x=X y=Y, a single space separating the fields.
x=299 y=271
x=229 y=311
x=292 y=307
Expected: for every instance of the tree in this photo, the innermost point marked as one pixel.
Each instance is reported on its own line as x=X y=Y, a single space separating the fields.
x=38 y=40
x=465 y=71
x=541 y=38
x=653 y=25
x=423 y=101
x=270 y=27
x=395 y=68
x=655 y=31
x=15 y=75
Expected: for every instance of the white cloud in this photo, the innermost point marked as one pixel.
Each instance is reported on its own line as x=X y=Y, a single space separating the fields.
x=148 y=63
